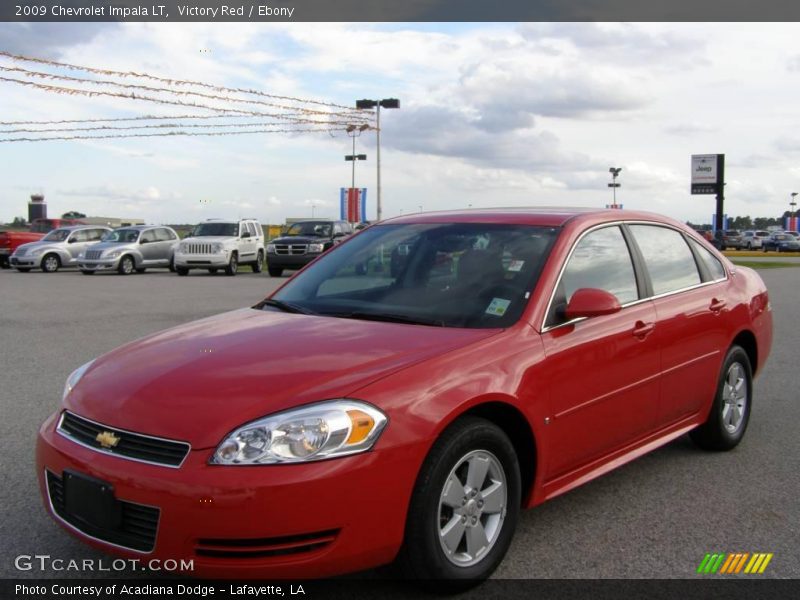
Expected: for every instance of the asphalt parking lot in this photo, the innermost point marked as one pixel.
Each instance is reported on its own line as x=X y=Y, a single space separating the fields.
x=654 y=518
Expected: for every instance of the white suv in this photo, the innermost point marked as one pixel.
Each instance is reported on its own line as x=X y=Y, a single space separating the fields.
x=753 y=239
x=221 y=244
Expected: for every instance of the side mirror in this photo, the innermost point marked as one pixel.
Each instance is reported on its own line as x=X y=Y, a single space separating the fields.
x=72 y=240
x=591 y=302
x=144 y=241
x=338 y=234
x=246 y=234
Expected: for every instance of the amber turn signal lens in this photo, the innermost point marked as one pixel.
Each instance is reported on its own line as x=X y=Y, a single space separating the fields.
x=361 y=425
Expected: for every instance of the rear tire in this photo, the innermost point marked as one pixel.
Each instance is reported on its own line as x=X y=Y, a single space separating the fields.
x=464 y=507
x=126 y=266
x=51 y=263
x=258 y=266
x=233 y=265
x=275 y=271
x=730 y=413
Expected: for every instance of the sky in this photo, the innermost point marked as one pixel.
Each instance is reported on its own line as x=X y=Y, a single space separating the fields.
x=527 y=114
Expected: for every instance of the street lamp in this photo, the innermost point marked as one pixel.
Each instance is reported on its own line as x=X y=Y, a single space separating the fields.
x=377 y=105
x=354 y=132
x=614 y=185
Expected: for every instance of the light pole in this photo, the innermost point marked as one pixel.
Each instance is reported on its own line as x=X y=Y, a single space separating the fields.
x=354 y=132
x=377 y=104
x=614 y=185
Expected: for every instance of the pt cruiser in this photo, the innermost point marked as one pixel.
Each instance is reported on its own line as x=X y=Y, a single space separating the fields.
x=435 y=374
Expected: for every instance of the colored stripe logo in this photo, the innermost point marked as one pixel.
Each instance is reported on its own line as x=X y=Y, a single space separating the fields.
x=735 y=562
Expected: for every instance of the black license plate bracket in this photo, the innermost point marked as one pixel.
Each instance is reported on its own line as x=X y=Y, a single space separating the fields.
x=91 y=500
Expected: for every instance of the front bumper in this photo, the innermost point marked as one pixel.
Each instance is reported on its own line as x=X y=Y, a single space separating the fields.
x=277 y=521
x=108 y=264
x=290 y=261
x=202 y=261
x=26 y=262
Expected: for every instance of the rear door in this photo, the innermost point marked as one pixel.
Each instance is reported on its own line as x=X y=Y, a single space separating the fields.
x=689 y=294
x=603 y=372
x=148 y=246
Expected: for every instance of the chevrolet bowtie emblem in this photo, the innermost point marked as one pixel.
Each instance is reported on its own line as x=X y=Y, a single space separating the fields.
x=107 y=439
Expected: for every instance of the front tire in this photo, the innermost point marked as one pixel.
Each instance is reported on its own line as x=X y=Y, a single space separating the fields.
x=126 y=266
x=51 y=263
x=87 y=272
x=730 y=413
x=182 y=271
x=275 y=271
x=23 y=270
x=464 y=508
x=233 y=265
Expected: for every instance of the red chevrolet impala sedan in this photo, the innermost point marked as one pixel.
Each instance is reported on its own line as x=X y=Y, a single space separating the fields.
x=403 y=397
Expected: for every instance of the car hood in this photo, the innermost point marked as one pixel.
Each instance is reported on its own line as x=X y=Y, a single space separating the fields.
x=112 y=246
x=198 y=381
x=300 y=239
x=40 y=244
x=210 y=239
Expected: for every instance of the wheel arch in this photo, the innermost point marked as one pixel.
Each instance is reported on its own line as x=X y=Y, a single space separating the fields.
x=516 y=426
x=747 y=340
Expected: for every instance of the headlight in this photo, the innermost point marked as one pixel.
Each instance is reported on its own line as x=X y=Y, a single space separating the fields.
x=216 y=248
x=82 y=255
x=323 y=430
x=36 y=252
x=183 y=247
x=270 y=248
x=113 y=254
x=74 y=378
x=316 y=247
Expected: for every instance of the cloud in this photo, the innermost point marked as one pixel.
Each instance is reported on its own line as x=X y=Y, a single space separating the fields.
x=690 y=129
x=48 y=40
x=110 y=192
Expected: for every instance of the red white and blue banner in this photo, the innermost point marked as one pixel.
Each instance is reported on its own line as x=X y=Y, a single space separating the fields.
x=353 y=204
x=791 y=224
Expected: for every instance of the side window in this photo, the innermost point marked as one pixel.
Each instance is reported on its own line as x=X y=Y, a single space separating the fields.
x=668 y=258
x=95 y=234
x=164 y=235
x=338 y=229
x=81 y=236
x=251 y=227
x=712 y=262
x=148 y=236
x=601 y=260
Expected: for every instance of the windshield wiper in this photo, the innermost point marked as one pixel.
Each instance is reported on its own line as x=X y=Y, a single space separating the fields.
x=286 y=307
x=388 y=318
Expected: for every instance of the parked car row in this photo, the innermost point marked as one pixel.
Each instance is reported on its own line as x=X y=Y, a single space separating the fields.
x=213 y=245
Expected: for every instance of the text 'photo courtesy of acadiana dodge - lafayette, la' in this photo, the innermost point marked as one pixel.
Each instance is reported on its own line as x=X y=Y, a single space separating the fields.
x=369 y=291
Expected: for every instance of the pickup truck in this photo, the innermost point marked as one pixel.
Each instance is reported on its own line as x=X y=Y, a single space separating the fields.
x=10 y=239
x=303 y=242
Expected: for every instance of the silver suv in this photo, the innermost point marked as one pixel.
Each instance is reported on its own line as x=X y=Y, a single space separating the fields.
x=130 y=249
x=218 y=244
x=59 y=248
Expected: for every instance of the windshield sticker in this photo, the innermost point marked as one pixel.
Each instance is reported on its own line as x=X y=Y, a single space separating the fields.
x=498 y=307
x=516 y=265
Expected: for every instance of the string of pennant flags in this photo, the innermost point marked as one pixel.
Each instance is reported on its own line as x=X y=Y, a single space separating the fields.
x=285 y=114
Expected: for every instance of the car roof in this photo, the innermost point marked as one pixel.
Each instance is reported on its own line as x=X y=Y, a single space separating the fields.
x=79 y=227
x=542 y=216
x=140 y=227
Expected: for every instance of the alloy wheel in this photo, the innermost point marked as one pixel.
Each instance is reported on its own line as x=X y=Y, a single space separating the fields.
x=734 y=397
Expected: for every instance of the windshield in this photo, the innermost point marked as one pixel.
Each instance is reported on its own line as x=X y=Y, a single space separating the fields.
x=209 y=229
x=57 y=235
x=319 y=229
x=455 y=275
x=122 y=236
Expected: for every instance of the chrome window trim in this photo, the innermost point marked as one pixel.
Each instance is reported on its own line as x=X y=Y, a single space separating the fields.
x=66 y=435
x=544 y=328
x=66 y=523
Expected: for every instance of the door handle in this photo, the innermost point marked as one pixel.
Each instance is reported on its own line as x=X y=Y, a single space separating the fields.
x=717 y=305
x=641 y=329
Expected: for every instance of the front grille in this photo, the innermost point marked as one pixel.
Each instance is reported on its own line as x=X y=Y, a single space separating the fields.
x=93 y=254
x=265 y=547
x=137 y=529
x=290 y=248
x=133 y=446
x=197 y=248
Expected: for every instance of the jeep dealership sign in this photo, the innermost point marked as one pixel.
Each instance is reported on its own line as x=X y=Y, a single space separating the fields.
x=707 y=173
